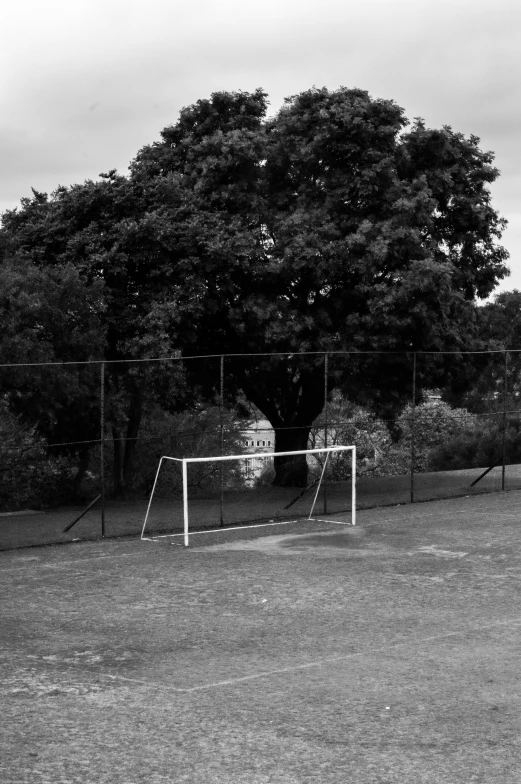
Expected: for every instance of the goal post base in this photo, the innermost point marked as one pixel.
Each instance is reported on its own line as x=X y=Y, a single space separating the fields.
x=332 y=522
x=164 y=537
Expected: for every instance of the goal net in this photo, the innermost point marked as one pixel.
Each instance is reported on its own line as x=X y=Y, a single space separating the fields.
x=201 y=494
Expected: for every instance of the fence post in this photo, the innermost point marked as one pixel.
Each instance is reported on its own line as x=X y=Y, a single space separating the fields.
x=221 y=425
x=326 y=386
x=413 y=424
x=505 y=392
x=102 y=446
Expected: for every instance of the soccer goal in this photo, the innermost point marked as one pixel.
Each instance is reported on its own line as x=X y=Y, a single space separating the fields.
x=196 y=495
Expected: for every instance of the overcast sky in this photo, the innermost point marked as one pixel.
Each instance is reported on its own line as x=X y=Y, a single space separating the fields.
x=86 y=83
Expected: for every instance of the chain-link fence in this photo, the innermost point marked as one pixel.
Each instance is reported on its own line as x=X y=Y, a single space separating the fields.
x=80 y=443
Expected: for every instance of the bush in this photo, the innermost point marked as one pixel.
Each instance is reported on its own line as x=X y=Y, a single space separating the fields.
x=435 y=423
x=194 y=433
x=29 y=476
x=380 y=454
x=479 y=448
x=348 y=424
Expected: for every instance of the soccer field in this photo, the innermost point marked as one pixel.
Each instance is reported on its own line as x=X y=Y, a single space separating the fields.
x=386 y=653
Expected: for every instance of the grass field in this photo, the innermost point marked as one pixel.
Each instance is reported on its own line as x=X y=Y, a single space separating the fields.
x=383 y=653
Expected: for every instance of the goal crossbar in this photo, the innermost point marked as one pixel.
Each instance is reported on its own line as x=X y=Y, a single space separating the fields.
x=264 y=454
x=185 y=461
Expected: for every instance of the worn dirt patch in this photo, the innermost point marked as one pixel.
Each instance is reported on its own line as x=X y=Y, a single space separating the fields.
x=350 y=541
x=433 y=549
x=353 y=541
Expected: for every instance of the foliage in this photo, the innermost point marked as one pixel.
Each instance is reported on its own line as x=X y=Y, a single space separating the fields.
x=349 y=424
x=29 y=476
x=479 y=382
x=191 y=433
x=49 y=314
x=434 y=424
x=331 y=226
x=99 y=233
x=481 y=447
x=380 y=453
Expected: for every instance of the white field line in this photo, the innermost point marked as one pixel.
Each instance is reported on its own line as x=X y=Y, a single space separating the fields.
x=56 y=566
x=296 y=667
x=219 y=530
x=224 y=529
x=411 y=518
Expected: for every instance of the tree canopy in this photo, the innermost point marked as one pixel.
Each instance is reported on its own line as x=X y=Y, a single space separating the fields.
x=334 y=225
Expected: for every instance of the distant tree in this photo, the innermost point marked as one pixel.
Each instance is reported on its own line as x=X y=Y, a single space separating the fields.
x=480 y=447
x=333 y=226
x=478 y=381
x=500 y=321
x=488 y=384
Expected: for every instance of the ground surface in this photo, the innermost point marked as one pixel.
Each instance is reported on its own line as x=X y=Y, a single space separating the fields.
x=124 y=518
x=386 y=653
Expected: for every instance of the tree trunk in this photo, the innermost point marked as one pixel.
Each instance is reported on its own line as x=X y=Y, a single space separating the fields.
x=291 y=471
x=135 y=414
x=125 y=446
x=290 y=397
x=81 y=470
x=117 y=468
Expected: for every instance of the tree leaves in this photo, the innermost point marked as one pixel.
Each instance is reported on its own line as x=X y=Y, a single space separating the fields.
x=332 y=226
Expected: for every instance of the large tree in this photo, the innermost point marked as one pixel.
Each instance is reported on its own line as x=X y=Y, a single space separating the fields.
x=333 y=226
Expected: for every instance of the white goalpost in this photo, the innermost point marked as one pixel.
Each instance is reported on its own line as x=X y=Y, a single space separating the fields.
x=243 y=482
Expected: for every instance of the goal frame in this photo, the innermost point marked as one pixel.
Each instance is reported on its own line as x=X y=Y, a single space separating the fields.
x=244 y=456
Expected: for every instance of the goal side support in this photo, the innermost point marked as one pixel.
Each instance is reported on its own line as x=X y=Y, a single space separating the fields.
x=221 y=458
x=177 y=460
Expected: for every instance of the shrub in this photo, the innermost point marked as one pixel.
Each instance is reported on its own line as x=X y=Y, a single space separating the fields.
x=479 y=448
x=435 y=423
x=195 y=433
x=29 y=476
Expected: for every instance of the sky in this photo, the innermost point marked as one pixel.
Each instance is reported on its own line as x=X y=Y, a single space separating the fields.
x=84 y=84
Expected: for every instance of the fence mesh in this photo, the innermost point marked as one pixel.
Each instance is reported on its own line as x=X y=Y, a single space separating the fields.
x=80 y=443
